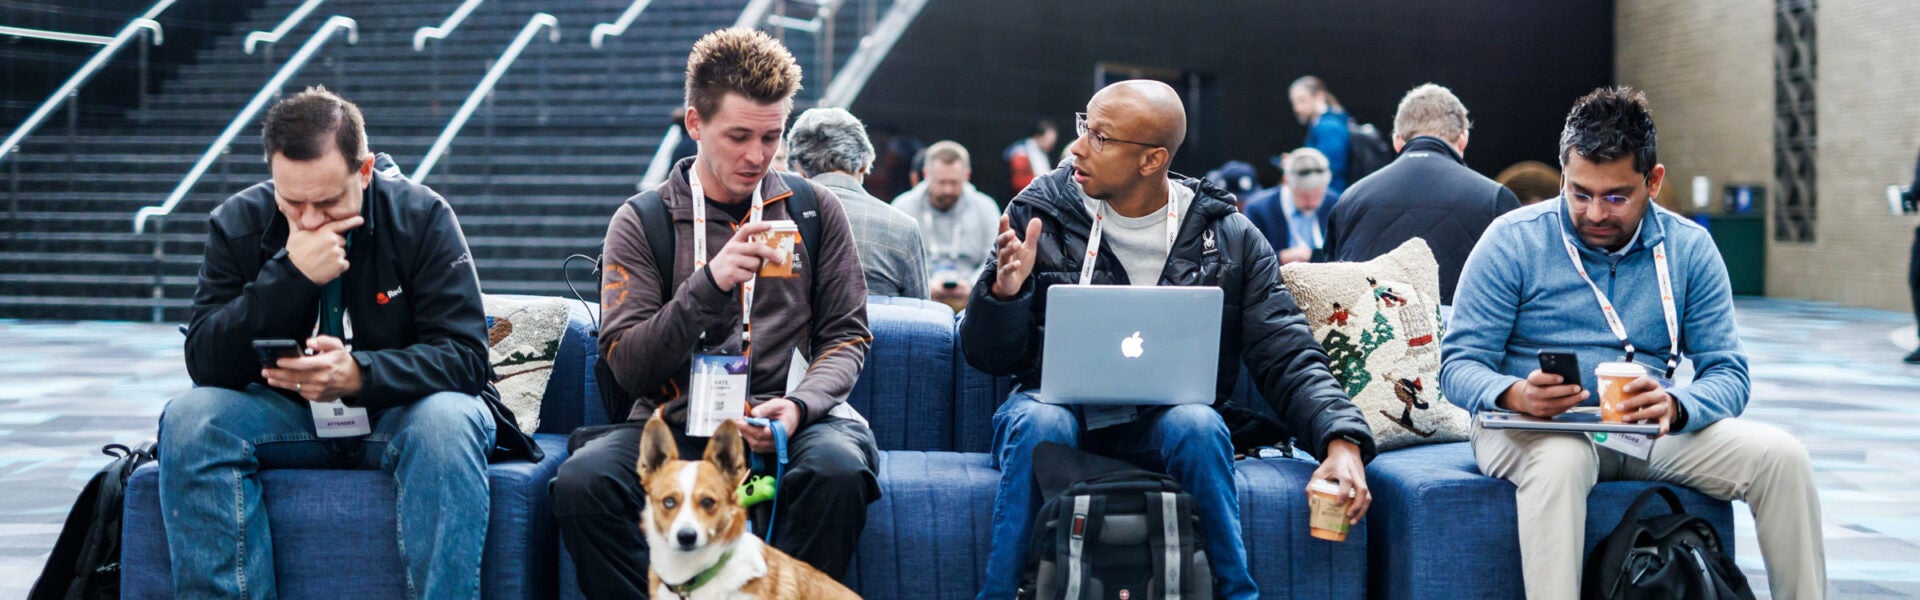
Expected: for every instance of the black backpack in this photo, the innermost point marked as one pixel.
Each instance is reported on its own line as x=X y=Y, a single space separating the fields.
x=1108 y=529
x=658 y=225
x=1366 y=150
x=86 y=560
x=1667 y=556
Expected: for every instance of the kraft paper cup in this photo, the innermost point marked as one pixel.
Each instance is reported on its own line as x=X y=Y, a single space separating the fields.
x=1327 y=514
x=784 y=237
x=1613 y=378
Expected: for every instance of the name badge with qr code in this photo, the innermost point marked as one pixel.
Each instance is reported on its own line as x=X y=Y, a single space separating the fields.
x=718 y=387
x=335 y=419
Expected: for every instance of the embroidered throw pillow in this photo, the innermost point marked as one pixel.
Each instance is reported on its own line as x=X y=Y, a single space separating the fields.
x=1380 y=324
x=523 y=336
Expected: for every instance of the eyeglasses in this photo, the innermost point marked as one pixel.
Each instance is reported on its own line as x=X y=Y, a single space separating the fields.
x=1613 y=201
x=1099 y=139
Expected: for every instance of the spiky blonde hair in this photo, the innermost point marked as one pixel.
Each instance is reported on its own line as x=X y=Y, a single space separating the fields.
x=740 y=60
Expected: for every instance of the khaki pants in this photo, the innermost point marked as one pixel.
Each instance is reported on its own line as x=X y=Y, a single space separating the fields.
x=1731 y=459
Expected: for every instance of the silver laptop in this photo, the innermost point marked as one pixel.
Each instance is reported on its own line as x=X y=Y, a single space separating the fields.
x=1116 y=344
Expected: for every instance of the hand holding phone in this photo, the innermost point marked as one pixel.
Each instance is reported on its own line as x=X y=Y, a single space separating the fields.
x=270 y=351
x=1539 y=395
x=1564 y=364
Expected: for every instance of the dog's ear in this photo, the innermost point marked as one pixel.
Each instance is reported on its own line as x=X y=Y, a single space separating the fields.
x=728 y=453
x=656 y=447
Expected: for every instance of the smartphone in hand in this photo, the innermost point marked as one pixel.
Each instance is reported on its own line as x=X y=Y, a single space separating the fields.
x=270 y=351
x=1564 y=364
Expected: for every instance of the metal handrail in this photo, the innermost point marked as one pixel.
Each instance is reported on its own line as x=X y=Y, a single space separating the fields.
x=619 y=26
x=144 y=22
x=755 y=12
x=55 y=36
x=286 y=25
x=481 y=91
x=446 y=28
x=662 y=159
x=266 y=93
x=847 y=84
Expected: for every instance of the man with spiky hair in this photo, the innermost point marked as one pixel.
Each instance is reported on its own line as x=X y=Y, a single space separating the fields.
x=1546 y=277
x=739 y=90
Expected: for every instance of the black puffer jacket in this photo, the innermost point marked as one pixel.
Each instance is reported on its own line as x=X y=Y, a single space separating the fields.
x=1217 y=246
x=411 y=292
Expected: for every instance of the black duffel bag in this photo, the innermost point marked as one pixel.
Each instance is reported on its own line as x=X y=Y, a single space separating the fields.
x=1674 y=555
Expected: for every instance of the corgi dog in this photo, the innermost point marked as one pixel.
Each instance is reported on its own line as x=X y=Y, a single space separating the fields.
x=698 y=545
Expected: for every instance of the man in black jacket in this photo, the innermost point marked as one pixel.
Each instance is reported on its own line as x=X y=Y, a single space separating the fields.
x=328 y=246
x=1428 y=192
x=1119 y=171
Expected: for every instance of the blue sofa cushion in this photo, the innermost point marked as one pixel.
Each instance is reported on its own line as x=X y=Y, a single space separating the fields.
x=928 y=535
x=1432 y=507
x=1287 y=562
x=906 y=385
x=326 y=523
x=572 y=398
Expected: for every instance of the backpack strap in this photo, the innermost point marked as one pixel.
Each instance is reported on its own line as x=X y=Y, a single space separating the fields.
x=658 y=225
x=804 y=207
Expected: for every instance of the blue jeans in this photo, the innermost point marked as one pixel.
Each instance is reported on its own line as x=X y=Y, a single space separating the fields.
x=214 y=442
x=1188 y=441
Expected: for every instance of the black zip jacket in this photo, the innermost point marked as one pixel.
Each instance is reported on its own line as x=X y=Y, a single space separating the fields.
x=1216 y=246
x=1428 y=193
x=410 y=290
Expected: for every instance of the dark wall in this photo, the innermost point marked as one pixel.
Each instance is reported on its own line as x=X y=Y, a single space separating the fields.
x=33 y=69
x=981 y=71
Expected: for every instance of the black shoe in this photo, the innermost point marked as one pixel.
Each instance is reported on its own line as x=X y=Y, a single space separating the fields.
x=1912 y=359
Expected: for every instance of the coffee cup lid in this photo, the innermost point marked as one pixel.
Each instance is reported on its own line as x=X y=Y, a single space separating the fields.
x=1324 y=486
x=783 y=225
x=1619 y=369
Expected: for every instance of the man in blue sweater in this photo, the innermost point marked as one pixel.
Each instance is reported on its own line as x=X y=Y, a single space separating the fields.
x=1545 y=277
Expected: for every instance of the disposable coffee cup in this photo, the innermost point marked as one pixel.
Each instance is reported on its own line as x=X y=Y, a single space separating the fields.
x=1327 y=514
x=783 y=238
x=1614 y=377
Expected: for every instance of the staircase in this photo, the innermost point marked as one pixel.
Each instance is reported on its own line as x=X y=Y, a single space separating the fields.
x=534 y=177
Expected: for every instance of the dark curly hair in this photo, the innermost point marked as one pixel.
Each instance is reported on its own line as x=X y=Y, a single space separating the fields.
x=301 y=126
x=740 y=60
x=1609 y=123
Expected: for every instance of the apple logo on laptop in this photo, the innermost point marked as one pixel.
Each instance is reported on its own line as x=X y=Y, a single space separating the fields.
x=1130 y=347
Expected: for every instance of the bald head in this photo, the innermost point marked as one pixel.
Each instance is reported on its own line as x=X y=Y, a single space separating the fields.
x=1145 y=110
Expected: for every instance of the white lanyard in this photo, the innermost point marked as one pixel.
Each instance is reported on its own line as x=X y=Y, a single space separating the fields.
x=1093 y=236
x=700 y=251
x=1613 y=317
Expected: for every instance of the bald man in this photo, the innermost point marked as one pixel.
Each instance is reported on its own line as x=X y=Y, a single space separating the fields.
x=1118 y=171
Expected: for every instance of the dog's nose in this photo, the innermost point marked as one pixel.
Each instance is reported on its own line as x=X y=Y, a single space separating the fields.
x=687 y=537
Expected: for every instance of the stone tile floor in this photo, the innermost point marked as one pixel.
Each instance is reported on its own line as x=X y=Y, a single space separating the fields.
x=1829 y=374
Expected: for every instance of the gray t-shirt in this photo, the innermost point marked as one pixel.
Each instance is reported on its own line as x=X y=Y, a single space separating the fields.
x=1140 y=243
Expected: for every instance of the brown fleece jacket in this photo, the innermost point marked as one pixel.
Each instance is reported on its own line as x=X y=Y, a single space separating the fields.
x=649 y=343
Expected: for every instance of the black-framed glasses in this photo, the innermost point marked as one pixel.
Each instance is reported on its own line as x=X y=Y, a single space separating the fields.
x=1100 y=139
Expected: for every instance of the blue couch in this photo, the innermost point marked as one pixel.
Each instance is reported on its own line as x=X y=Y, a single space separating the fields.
x=333 y=530
x=927 y=537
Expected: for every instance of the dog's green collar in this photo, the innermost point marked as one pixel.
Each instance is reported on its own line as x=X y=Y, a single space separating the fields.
x=683 y=589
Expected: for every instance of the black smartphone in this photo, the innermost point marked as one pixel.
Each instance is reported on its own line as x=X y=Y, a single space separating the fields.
x=1564 y=364
x=269 y=351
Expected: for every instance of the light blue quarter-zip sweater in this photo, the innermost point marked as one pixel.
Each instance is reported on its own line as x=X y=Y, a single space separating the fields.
x=1519 y=294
